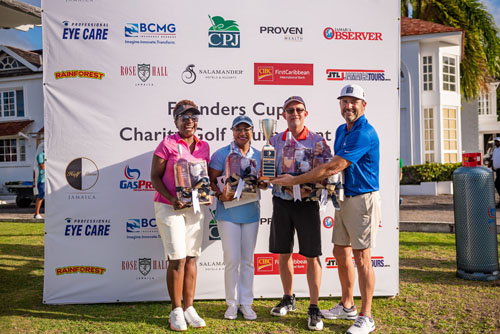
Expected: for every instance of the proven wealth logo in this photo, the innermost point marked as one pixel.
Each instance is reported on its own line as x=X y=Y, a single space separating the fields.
x=223 y=33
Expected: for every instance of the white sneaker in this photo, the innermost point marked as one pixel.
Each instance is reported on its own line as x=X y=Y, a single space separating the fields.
x=176 y=319
x=38 y=216
x=340 y=312
x=193 y=319
x=231 y=312
x=362 y=325
x=247 y=312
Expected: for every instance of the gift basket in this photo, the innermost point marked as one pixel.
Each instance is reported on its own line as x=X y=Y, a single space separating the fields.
x=191 y=176
x=332 y=185
x=241 y=172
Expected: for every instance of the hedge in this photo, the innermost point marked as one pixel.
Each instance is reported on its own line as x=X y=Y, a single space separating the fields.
x=429 y=172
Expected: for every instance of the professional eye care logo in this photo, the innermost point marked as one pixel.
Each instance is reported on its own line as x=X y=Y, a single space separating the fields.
x=346 y=34
x=87 y=227
x=82 y=74
x=142 y=228
x=283 y=74
x=133 y=180
x=82 y=174
x=267 y=264
x=294 y=34
x=377 y=262
x=223 y=33
x=356 y=75
x=144 y=72
x=150 y=33
x=85 y=30
x=145 y=267
x=189 y=75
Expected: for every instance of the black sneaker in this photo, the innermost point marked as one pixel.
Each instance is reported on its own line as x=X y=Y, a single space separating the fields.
x=314 y=321
x=286 y=304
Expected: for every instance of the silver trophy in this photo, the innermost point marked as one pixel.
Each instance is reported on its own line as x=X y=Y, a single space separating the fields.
x=268 y=127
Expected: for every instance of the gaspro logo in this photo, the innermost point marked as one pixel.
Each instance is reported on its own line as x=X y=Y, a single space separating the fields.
x=223 y=33
x=133 y=180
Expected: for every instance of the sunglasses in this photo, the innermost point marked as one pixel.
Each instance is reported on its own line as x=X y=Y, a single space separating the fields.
x=290 y=111
x=186 y=118
x=245 y=130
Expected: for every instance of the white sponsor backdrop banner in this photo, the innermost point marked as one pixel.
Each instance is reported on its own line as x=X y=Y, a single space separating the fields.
x=113 y=71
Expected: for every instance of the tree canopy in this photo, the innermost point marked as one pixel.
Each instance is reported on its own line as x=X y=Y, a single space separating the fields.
x=481 y=60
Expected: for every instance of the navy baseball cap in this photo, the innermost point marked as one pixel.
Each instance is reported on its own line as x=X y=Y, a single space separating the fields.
x=242 y=119
x=185 y=107
x=293 y=99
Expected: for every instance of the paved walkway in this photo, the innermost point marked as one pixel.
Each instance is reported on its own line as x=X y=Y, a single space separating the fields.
x=416 y=214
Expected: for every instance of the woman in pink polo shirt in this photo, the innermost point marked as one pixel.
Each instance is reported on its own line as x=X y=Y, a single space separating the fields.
x=179 y=227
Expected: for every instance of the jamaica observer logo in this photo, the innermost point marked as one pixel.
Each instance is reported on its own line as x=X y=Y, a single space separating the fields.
x=133 y=182
x=223 y=33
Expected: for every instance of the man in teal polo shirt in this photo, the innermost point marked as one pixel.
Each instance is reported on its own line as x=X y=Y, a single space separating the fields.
x=357 y=153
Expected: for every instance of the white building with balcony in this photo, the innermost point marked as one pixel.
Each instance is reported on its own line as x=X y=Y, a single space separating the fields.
x=21 y=113
x=430 y=101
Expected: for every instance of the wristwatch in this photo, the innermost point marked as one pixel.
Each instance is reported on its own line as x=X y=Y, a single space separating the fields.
x=218 y=196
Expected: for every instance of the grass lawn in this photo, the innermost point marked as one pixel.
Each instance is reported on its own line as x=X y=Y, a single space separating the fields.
x=432 y=299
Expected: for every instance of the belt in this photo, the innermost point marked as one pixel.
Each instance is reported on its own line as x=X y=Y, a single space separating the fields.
x=350 y=196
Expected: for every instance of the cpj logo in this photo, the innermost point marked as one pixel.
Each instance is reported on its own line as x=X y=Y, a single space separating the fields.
x=133 y=181
x=223 y=33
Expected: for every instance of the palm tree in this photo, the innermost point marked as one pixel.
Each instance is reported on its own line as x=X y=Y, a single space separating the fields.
x=481 y=58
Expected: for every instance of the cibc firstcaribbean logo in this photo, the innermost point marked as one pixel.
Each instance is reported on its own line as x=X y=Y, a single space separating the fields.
x=223 y=33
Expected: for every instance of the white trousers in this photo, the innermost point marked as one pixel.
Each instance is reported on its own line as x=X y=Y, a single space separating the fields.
x=238 y=244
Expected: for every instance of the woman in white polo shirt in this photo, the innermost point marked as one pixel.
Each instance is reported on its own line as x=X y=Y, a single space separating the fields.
x=238 y=225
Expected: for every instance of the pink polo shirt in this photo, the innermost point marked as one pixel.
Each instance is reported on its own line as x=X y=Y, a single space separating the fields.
x=167 y=150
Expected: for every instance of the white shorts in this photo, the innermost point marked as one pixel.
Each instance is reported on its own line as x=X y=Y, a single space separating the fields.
x=357 y=221
x=180 y=231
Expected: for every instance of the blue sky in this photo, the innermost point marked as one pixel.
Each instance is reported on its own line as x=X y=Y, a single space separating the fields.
x=32 y=39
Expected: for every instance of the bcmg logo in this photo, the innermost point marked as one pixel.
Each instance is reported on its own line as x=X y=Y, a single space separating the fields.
x=223 y=33
x=148 y=29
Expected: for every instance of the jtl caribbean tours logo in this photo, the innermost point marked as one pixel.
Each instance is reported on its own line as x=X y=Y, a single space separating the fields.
x=223 y=33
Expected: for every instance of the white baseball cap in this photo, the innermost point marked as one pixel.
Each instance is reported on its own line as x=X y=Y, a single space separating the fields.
x=354 y=91
x=497 y=139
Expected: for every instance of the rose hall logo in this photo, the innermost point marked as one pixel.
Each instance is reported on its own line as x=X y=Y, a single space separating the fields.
x=144 y=72
x=223 y=33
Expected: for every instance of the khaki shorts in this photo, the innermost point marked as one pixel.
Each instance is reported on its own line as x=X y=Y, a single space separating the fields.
x=357 y=221
x=180 y=231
